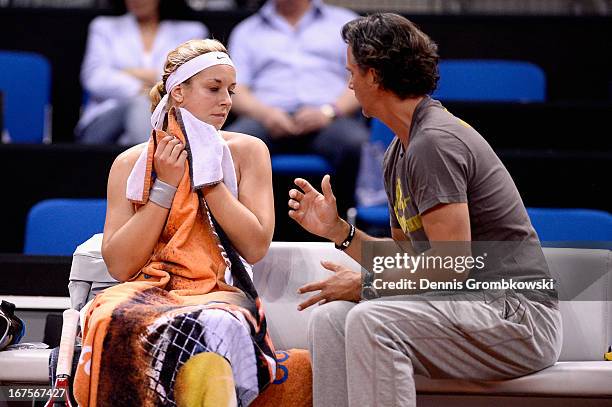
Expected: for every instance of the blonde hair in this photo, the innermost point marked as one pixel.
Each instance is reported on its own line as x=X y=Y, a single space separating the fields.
x=177 y=57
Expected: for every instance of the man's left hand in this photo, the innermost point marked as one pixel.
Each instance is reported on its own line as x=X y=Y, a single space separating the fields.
x=310 y=119
x=344 y=284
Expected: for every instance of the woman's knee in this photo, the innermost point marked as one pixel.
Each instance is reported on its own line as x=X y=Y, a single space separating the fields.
x=221 y=315
x=223 y=321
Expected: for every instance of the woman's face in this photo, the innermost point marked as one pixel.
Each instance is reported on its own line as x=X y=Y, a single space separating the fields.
x=208 y=95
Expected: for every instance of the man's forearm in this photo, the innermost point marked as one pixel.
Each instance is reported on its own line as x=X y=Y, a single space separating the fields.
x=397 y=273
x=341 y=232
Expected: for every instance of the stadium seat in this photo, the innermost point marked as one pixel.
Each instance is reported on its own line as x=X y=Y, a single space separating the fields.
x=558 y=226
x=375 y=215
x=490 y=81
x=295 y=164
x=58 y=226
x=26 y=86
x=380 y=133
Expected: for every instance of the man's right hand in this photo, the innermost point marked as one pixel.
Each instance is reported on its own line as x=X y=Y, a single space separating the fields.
x=315 y=212
x=169 y=160
x=279 y=123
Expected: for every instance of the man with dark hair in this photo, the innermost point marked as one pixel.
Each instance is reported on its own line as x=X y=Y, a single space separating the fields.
x=444 y=184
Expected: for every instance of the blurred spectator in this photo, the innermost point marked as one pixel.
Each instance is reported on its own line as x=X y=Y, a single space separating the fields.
x=199 y=5
x=123 y=60
x=292 y=83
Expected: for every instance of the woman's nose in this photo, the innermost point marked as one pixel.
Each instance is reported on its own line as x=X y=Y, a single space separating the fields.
x=226 y=99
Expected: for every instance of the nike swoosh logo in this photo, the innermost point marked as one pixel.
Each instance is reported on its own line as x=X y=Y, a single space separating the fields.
x=218 y=57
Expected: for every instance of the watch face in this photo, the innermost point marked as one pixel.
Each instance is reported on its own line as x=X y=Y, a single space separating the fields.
x=328 y=111
x=368 y=292
x=367 y=278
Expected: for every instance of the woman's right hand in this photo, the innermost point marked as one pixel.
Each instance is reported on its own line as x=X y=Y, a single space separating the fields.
x=315 y=212
x=169 y=160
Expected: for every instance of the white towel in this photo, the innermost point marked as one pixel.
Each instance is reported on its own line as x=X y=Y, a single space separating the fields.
x=210 y=159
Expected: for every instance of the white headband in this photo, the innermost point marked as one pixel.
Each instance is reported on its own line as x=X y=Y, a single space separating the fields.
x=182 y=73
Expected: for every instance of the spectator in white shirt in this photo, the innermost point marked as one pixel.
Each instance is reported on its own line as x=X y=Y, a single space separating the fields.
x=124 y=58
x=292 y=84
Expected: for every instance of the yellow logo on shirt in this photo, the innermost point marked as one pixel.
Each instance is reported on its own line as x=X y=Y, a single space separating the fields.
x=399 y=207
x=463 y=123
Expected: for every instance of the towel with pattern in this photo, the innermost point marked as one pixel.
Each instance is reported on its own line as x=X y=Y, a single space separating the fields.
x=193 y=298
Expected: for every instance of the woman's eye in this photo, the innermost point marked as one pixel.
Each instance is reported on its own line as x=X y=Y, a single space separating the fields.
x=214 y=89
x=232 y=92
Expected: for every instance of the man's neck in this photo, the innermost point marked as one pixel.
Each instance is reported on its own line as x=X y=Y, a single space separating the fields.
x=397 y=115
x=293 y=10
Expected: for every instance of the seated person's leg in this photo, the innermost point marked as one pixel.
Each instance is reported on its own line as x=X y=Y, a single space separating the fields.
x=326 y=339
x=104 y=129
x=340 y=143
x=137 y=127
x=469 y=339
x=250 y=126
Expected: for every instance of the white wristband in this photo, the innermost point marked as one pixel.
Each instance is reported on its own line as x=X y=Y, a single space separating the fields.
x=162 y=194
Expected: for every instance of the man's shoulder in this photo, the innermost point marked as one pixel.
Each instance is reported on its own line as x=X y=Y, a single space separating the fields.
x=438 y=126
x=434 y=137
x=391 y=153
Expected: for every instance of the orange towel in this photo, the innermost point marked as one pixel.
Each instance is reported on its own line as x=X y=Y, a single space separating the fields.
x=293 y=383
x=139 y=333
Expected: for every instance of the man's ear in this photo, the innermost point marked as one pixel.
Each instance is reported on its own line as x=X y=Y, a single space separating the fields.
x=371 y=77
x=177 y=94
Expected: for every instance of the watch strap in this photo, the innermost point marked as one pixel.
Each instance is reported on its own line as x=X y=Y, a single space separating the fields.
x=347 y=241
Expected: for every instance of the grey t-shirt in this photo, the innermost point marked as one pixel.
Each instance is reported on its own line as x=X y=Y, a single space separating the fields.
x=447 y=161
